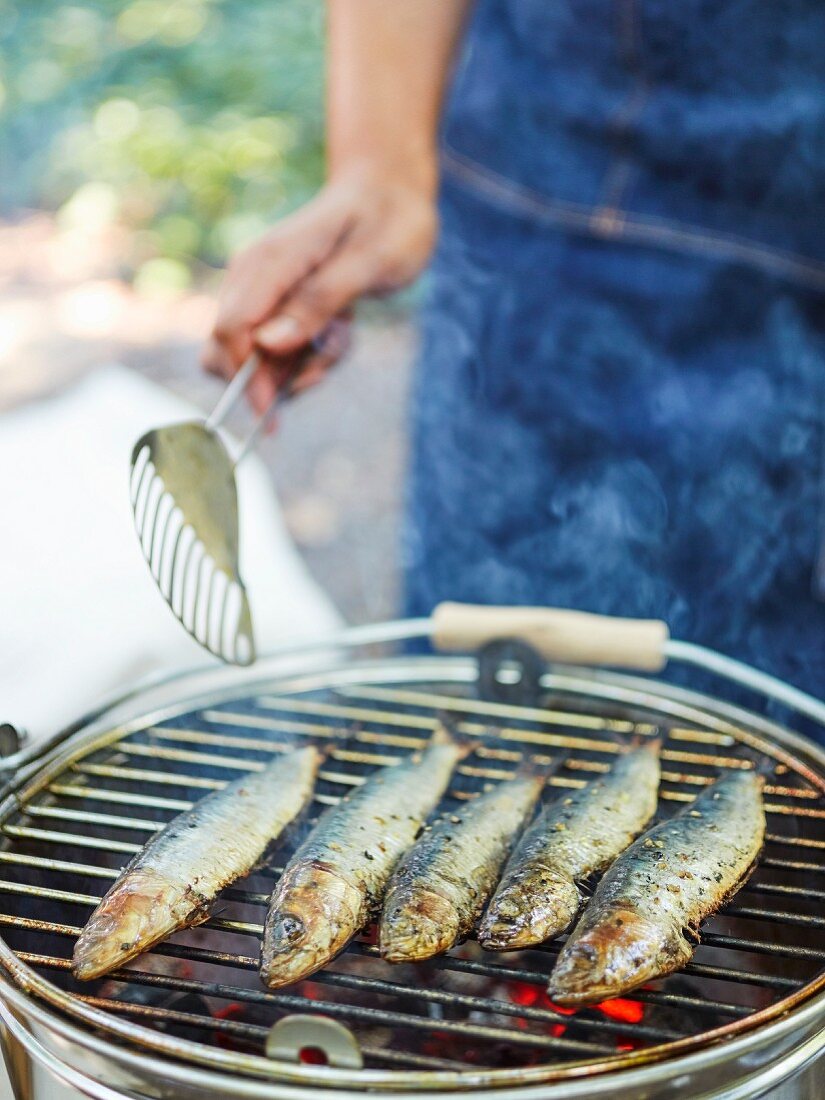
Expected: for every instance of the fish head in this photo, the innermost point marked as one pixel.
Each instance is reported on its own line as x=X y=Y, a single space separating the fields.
x=615 y=956
x=523 y=914
x=140 y=910
x=417 y=924
x=312 y=917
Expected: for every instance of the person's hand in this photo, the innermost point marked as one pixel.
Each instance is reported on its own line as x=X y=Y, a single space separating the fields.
x=296 y=285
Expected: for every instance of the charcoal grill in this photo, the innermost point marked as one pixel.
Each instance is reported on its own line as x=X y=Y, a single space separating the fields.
x=191 y=1019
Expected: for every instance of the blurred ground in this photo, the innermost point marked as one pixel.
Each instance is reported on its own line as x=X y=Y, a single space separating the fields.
x=338 y=458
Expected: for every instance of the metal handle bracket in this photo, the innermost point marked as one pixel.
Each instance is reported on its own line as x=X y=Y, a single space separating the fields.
x=315 y=1040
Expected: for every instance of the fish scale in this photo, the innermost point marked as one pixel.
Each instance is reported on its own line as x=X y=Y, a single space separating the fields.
x=335 y=880
x=572 y=838
x=643 y=920
x=172 y=882
x=443 y=882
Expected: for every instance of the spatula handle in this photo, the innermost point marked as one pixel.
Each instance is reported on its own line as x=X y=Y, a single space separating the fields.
x=232 y=393
x=236 y=388
x=285 y=392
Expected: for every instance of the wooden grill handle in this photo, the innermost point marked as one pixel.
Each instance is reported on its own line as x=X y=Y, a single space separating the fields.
x=572 y=637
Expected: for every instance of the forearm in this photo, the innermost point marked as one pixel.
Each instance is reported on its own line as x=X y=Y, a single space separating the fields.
x=371 y=229
x=389 y=61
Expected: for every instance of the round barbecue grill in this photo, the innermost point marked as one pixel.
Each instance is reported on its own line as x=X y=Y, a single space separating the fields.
x=191 y=1017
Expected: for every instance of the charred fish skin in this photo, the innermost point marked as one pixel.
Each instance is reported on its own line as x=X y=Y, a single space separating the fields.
x=648 y=907
x=172 y=883
x=574 y=836
x=337 y=877
x=441 y=885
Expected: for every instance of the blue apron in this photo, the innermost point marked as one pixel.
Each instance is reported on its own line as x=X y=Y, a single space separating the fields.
x=619 y=400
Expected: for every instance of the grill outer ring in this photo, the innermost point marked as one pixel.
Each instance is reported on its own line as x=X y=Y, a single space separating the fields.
x=735 y=1072
x=743 y=1039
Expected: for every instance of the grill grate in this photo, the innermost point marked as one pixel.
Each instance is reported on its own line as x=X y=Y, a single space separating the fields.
x=73 y=829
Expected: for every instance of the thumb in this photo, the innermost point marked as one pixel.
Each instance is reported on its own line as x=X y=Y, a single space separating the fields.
x=315 y=303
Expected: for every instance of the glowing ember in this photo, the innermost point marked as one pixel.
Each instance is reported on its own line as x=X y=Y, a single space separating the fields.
x=232 y=1011
x=533 y=996
x=623 y=1010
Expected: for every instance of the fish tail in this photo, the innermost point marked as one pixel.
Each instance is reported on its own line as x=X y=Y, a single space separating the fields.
x=447 y=732
x=652 y=742
x=541 y=769
x=764 y=767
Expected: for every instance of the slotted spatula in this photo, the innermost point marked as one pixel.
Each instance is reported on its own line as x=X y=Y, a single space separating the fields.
x=185 y=504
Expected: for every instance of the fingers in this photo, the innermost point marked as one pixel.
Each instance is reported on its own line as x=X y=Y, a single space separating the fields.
x=264 y=275
x=215 y=359
x=262 y=388
x=321 y=297
x=331 y=345
x=298 y=370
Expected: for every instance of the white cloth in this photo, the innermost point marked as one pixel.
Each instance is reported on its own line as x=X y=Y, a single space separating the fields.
x=80 y=616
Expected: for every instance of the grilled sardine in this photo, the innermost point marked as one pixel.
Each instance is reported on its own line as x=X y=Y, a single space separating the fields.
x=172 y=883
x=441 y=885
x=335 y=880
x=648 y=907
x=574 y=836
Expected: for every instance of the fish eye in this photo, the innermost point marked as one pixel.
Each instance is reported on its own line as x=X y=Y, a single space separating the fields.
x=289 y=929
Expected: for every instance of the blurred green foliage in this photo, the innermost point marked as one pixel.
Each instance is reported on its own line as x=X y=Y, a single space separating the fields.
x=194 y=122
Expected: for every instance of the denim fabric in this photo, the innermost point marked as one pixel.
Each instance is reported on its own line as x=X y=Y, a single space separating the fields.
x=620 y=429
x=697 y=124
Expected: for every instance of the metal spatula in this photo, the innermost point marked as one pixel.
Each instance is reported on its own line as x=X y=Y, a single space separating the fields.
x=185 y=504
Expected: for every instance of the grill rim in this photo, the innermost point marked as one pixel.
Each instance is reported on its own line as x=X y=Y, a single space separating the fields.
x=531 y=1081
x=224 y=685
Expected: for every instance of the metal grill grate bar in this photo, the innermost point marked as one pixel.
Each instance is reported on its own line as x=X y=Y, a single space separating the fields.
x=802 y=920
x=440 y=702
x=542 y=717
x=73 y=790
x=536 y=977
x=468 y=729
x=792 y=865
x=697 y=1003
x=795 y=841
x=463 y=998
x=762 y=947
x=480 y=1005
x=91 y=869
x=444 y=962
x=92 y=900
x=701 y=737
x=492 y=1005
x=378 y=1016
x=188 y=780
x=173 y=779
x=58 y=865
x=257 y=1032
x=25 y=832
x=139 y=799
x=252 y=744
x=232 y=763
x=57 y=813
